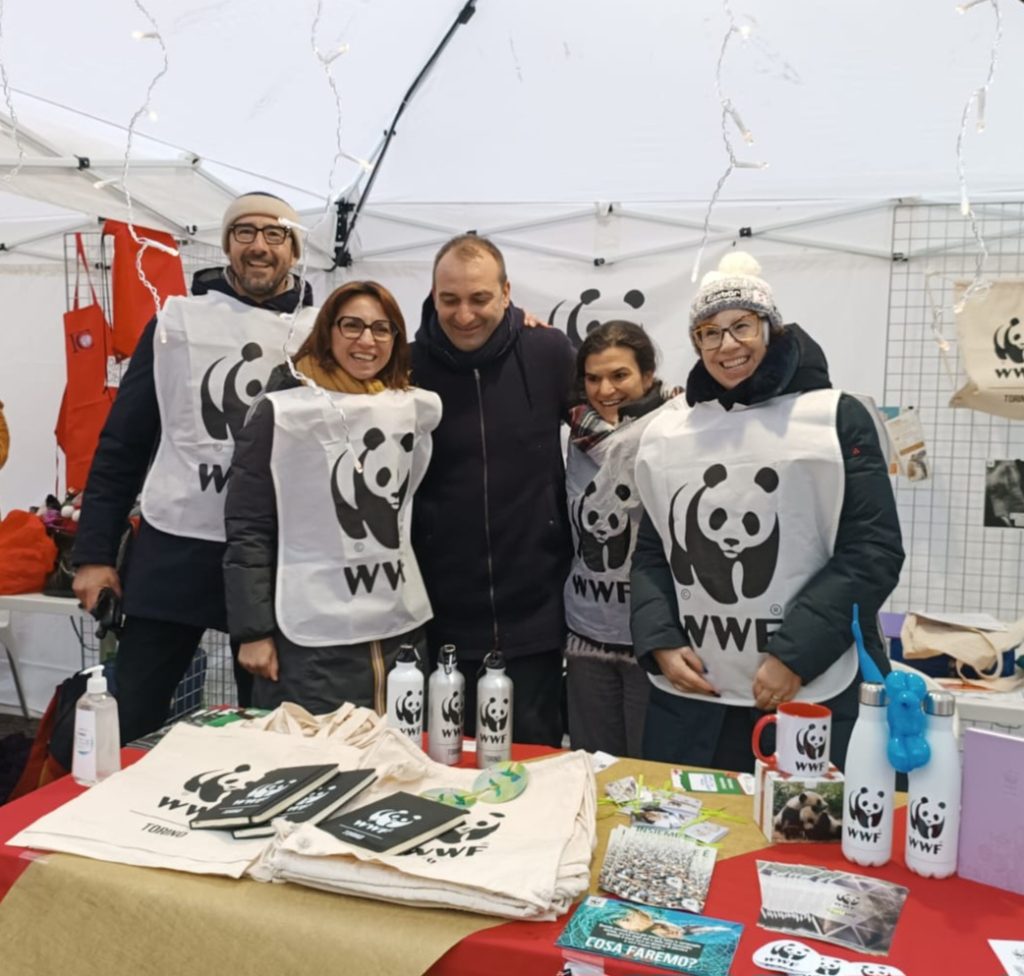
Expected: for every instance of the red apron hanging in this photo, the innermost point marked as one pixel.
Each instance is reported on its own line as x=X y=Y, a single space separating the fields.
x=87 y=398
x=133 y=303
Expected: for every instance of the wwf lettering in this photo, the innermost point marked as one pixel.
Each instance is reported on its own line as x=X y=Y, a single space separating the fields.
x=1008 y=372
x=189 y=809
x=601 y=591
x=924 y=846
x=859 y=833
x=730 y=630
x=213 y=474
x=366 y=576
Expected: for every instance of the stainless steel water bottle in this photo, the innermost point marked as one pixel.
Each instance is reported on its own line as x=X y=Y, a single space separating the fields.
x=405 y=695
x=870 y=783
x=933 y=804
x=446 y=698
x=493 y=712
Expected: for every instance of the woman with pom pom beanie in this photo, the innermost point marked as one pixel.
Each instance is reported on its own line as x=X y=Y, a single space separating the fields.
x=769 y=513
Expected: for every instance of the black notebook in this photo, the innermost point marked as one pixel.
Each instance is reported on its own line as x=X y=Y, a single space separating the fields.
x=319 y=804
x=394 y=823
x=271 y=794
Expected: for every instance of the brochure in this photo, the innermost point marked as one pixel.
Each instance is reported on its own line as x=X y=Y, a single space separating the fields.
x=657 y=869
x=691 y=944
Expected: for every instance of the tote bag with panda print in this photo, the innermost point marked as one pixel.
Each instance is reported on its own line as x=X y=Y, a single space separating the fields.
x=345 y=467
x=990 y=328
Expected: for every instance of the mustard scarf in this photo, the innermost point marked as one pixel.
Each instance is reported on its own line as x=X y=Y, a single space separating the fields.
x=336 y=379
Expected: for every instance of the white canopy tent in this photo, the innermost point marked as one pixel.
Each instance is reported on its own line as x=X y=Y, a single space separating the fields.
x=586 y=136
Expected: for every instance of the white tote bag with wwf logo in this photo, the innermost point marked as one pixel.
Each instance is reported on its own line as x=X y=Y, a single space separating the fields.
x=141 y=814
x=990 y=329
x=528 y=858
x=212 y=357
x=345 y=467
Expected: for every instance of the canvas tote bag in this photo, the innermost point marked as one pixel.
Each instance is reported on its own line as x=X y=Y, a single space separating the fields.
x=528 y=858
x=990 y=328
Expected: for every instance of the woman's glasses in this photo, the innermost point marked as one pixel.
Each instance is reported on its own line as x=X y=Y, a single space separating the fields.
x=272 y=233
x=711 y=336
x=353 y=328
x=502 y=782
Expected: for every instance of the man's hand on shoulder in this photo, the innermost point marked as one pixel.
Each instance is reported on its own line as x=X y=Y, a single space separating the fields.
x=532 y=322
x=92 y=578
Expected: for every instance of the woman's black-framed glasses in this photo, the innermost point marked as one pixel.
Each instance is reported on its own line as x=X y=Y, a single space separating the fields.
x=353 y=328
x=273 y=234
x=711 y=336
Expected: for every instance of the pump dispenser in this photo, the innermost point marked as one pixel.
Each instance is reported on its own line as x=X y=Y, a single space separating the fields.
x=493 y=712
x=446 y=697
x=97 y=751
x=405 y=695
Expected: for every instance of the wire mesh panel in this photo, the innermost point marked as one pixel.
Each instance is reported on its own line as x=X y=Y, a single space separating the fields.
x=208 y=681
x=954 y=562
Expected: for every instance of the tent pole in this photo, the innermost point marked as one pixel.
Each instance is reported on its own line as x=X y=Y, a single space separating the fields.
x=463 y=17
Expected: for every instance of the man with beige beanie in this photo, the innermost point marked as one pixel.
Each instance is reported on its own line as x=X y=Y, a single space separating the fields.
x=170 y=435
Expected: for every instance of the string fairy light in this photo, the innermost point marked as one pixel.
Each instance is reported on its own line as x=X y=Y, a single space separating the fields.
x=729 y=113
x=15 y=133
x=144 y=243
x=977 y=103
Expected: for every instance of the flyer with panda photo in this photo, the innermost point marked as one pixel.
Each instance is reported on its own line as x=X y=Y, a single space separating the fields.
x=850 y=910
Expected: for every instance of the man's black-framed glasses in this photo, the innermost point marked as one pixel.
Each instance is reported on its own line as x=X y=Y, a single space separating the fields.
x=352 y=327
x=273 y=234
x=744 y=330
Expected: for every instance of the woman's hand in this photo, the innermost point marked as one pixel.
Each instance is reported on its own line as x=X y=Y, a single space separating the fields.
x=774 y=684
x=684 y=670
x=259 y=657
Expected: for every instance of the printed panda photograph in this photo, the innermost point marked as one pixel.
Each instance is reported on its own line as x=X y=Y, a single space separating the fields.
x=1004 y=494
x=804 y=814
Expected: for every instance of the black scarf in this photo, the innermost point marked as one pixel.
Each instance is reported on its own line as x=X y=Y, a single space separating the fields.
x=501 y=341
x=794 y=363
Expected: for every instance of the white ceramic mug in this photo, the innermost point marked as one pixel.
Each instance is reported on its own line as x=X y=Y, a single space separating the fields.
x=802 y=731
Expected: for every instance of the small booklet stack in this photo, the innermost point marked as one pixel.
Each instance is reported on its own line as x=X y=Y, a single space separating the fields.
x=299 y=793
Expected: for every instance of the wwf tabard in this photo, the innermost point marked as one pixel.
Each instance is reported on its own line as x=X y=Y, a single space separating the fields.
x=212 y=356
x=605 y=512
x=345 y=467
x=747 y=503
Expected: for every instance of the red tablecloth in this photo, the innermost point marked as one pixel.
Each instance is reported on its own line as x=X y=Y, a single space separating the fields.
x=943 y=930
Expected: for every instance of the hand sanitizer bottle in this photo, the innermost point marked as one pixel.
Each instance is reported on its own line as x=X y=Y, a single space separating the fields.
x=97 y=751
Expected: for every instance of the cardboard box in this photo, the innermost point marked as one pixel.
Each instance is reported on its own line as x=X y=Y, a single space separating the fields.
x=798 y=809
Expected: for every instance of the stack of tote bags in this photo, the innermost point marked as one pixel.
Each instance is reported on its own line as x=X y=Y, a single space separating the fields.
x=528 y=858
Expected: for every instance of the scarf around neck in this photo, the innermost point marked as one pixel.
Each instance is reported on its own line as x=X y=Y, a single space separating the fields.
x=336 y=380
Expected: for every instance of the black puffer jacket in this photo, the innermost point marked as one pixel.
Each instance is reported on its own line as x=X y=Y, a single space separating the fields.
x=171 y=577
x=490 y=524
x=868 y=552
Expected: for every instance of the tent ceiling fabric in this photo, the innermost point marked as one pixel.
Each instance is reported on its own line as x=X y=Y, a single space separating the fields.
x=568 y=101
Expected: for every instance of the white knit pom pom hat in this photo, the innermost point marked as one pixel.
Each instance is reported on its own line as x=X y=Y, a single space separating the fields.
x=737 y=283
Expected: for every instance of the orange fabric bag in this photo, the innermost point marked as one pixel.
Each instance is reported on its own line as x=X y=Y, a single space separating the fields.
x=133 y=303
x=87 y=398
x=27 y=553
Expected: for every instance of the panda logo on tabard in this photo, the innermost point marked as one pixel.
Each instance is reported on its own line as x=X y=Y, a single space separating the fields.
x=368 y=497
x=225 y=421
x=1008 y=340
x=730 y=534
x=634 y=298
x=600 y=517
x=927 y=818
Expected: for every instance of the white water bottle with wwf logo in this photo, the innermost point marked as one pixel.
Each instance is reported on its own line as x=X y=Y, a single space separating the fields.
x=870 y=783
x=446 y=695
x=493 y=713
x=405 y=695
x=933 y=802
